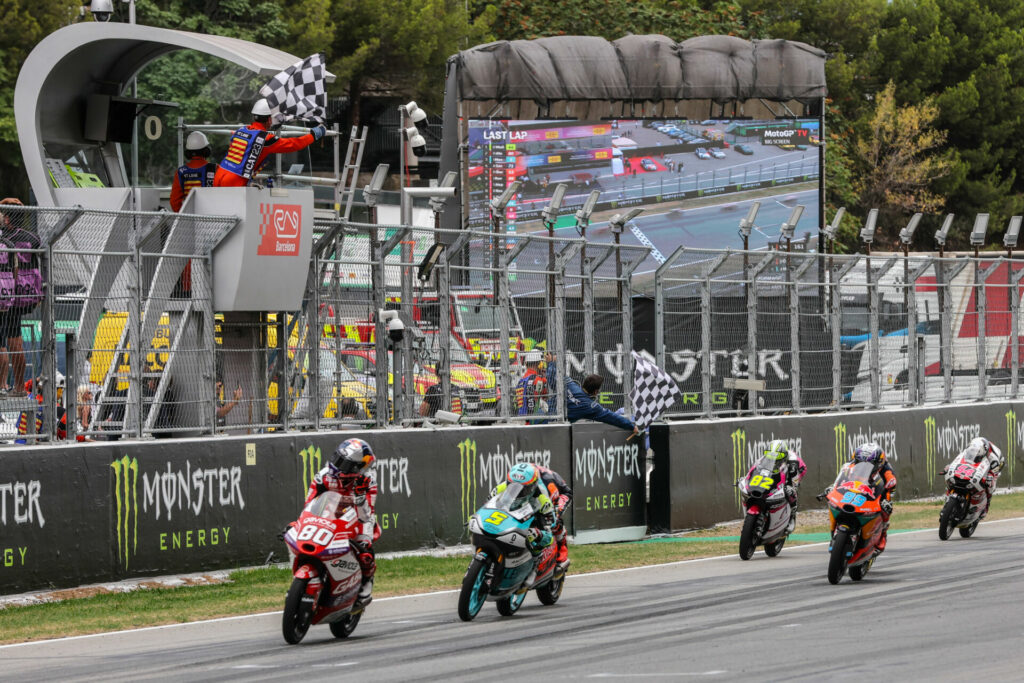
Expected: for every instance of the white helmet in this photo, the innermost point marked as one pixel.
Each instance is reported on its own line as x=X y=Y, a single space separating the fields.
x=261 y=108
x=196 y=141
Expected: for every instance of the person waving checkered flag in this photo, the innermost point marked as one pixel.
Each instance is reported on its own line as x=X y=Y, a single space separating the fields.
x=653 y=392
x=299 y=92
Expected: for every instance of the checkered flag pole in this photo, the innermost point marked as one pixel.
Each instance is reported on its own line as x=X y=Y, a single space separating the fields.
x=653 y=392
x=299 y=92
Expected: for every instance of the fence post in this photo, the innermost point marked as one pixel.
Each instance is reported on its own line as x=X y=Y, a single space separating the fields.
x=659 y=305
x=794 y=330
x=502 y=302
x=980 y=278
x=1014 y=294
x=873 y=278
x=945 y=331
x=705 y=344
x=49 y=349
x=382 y=415
x=135 y=409
x=627 y=331
x=561 y=263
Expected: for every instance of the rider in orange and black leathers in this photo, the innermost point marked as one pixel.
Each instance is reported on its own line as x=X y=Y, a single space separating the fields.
x=350 y=473
x=561 y=496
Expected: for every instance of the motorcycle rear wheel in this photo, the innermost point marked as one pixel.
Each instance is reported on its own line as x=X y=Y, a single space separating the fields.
x=837 y=558
x=295 y=620
x=343 y=627
x=946 y=521
x=967 y=531
x=474 y=590
x=857 y=573
x=773 y=549
x=549 y=593
x=510 y=605
x=748 y=542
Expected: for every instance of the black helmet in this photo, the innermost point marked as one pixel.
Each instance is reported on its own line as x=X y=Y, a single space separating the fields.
x=352 y=457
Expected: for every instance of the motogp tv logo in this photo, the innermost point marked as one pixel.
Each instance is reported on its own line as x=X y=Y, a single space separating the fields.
x=280 y=229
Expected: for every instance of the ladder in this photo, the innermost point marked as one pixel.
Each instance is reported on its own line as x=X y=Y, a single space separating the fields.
x=347 y=183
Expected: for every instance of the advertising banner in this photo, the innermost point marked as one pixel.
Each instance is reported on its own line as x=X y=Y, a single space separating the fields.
x=608 y=480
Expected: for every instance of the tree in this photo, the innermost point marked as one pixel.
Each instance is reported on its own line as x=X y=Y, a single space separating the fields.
x=901 y=158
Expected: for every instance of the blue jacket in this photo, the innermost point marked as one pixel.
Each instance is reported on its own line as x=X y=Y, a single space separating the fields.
x=579 y=406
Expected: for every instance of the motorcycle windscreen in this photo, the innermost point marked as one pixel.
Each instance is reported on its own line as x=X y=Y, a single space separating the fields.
x=515 y=500
x=766 y=468
x=325 y=505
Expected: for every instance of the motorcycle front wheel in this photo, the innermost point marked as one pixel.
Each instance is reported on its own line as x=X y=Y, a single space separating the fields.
x=510 y=605
x=343 y=628
x=549 y=593
x=837 y=558
x=748 y=540
x=946 y=519
x=966 y=531
x=474 y=590
x=296 y=618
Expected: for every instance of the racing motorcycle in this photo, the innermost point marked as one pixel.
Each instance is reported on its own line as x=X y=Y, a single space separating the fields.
x=327 y=576
x=965 y=499
x=503 y=565
x=856 y=513
x=767 y=510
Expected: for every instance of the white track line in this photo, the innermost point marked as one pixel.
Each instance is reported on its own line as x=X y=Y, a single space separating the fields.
x=444 y=592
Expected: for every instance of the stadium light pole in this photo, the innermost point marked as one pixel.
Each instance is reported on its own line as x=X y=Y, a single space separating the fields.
x=1011 y=235
x=583 y=220
x=943 y=233
x=978 y=232
x=497 y=207
x=906 y=237
x=549 y=215
x=867 y=233
x=617 y=224
x=746 y=226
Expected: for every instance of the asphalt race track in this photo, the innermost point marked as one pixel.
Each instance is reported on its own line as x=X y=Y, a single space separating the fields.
x=928 y=610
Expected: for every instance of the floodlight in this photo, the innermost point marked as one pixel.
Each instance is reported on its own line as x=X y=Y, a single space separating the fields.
x=372 y=191
x=867 y=233
x=830 y=229
x=550 y=212
x=747 y=224
x=789 y=226
x=416 y=141
x=437 y=201
x=499 y=203
x=942 y=233
x=427 y=264
x=101 y=10
x=583 y=215
x=907 y=233
x=416 y=115
x=1012 y=233
x=618 y=221
x=979 y=229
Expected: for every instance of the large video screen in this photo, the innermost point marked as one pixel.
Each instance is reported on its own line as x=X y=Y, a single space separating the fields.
x=695 y=180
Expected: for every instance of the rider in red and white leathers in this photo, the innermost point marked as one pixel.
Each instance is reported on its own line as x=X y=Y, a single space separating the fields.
x=350 y=473
x=561 y=496
x=989 y=461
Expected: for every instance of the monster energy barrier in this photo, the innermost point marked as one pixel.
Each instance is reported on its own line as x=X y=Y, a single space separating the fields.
x=931 y=443
x=126 y=497
x=1011 y=442
x=739 y=452
x=311 y=464
x=467 y=478
x=840 y=446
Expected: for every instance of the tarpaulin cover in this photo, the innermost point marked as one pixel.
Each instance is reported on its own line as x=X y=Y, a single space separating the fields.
x=640 y=68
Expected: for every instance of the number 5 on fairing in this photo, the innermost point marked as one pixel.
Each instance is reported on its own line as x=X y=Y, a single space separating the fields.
x=497 y=517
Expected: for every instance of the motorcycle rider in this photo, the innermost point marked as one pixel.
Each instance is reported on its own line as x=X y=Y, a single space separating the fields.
x=883 y=479
x=350 y=473
x=252 y=145
x=979 y=451
x=528 y=476
x=792 y=464
x=561 y=496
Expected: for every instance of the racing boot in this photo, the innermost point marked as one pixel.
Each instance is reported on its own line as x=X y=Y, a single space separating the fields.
x=792 y=519
x=365 y=593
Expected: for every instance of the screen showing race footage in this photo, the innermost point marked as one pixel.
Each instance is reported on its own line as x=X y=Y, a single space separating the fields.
x=695 y=180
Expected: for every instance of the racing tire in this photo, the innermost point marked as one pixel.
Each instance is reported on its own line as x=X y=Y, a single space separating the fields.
x=510 y=605
x=837 y=558
x=474 y=590
x=968 y=531
x=857 y=573
x=343 y=628
x=296 y=619
x=549 y=593
x=748 y=544
x=773 y=549
x=946 y=521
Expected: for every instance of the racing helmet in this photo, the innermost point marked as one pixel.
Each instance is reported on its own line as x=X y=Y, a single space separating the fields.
x=977 y=449
x=524 y=474
x=352 y=458
x=196 y=141
x=778 y=453
x=870 y=452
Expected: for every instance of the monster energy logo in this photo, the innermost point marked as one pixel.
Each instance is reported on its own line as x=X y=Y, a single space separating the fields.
x=310 y=466
x=126 y=495
x=840 y=431
x=467 y=477
x=739 y=450
x=1011 y=441
x=931 y=444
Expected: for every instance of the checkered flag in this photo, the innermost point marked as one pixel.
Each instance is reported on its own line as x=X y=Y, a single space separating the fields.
x=298 y=92
x=653 y=391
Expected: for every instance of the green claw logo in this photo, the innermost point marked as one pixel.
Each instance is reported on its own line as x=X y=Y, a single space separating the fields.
x=467 y=477
x=310 y=466
x=840 y=431
x=126 y=496
x=739 y=461
x=1011 y=441
x=930 y=444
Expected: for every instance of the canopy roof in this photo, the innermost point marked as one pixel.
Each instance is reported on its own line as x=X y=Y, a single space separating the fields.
x=640 y=68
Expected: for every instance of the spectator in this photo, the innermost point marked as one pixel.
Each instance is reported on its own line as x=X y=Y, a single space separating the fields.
x=83 y=411
x=167 y=411
x=223 y=408
x=348 y=410
x=531 y=389
x=581 y=404
x=23 y=275
x=431 y=401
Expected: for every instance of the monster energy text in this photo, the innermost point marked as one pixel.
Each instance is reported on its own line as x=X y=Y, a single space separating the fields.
x=739 y=450
x=126 y=498
x=310 y=466
x=467 y=477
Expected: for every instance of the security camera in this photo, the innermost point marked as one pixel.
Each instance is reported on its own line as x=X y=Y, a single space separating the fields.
x=416 y=141
x=396 y=329
x=101 y=10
